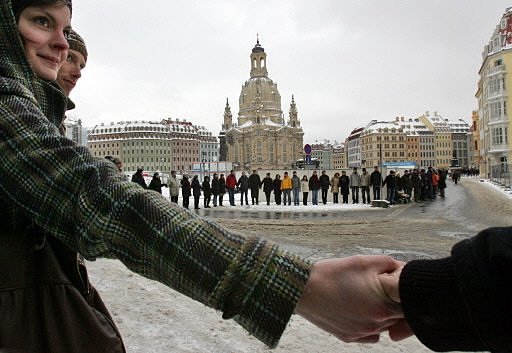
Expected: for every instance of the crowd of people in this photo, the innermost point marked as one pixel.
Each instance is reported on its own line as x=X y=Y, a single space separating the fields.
x=416 y=185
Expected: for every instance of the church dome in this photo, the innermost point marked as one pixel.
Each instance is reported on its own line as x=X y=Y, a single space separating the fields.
x=258 y=48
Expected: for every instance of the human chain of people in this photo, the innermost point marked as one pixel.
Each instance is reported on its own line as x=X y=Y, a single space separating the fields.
x=359 y=187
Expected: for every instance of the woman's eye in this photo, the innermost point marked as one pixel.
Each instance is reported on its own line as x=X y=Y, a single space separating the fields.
x=42 y=21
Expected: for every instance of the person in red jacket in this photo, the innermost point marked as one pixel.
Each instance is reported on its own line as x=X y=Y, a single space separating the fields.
x=231 y=185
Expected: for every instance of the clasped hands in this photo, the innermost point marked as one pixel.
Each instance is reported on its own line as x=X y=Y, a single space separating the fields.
x=355 y=298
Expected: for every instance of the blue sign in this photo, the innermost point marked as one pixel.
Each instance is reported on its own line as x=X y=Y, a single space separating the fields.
x=398 y=164
x=307 y=149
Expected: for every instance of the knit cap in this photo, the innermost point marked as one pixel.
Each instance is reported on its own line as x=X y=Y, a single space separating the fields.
x=77 y=43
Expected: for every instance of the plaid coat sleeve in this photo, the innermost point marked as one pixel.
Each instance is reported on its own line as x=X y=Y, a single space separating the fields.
x=82 y=201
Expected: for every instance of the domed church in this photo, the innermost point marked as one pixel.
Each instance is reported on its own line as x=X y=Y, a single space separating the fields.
x=261 y=139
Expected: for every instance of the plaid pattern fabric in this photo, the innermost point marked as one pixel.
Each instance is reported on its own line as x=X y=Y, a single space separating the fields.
x=82 y=201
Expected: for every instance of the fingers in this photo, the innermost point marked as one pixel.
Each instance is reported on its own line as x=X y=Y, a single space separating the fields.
x=400 y=331
x=389 y=283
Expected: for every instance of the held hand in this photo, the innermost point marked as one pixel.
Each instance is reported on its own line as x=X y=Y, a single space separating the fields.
x=389 y=282
x=345 y=298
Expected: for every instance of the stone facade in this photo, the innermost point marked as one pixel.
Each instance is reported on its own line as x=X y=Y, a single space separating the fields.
x=261 y=139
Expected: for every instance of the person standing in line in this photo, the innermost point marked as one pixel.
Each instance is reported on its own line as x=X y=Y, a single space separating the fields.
x=230 y=186
x=335 y=187
x=277 y=189
x=207 y=191
x=186 y=191
x=196 y=191
x=430 y=188
x=407 y=184
x=243 y=187
x=365 y=186
x=390 y=182
x=174 y=187
x=156 y=183
x=376 y=182
x=325 y=184
x=304 y=185
x=416 y=184
x=442 y=182
x=222 y=188
x=314 y=186
x=268 y=186
x=286 y=188
x=344 y=186
x=296 y=189
x=255 y=186
x=355 y=183
x=435 y=183
x=138 y=178
x=215 y=188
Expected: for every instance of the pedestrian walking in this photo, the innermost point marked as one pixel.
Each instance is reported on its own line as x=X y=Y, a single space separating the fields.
x=390 y=182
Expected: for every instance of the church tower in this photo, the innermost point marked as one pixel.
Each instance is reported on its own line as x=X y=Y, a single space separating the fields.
x=261 y=139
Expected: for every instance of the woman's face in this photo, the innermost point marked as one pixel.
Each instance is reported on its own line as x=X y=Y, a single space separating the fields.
x=43 y=30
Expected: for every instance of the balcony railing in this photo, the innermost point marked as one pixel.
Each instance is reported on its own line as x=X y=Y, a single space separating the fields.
x=496 y=70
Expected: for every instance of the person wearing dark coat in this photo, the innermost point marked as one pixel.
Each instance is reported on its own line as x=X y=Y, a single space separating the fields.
x=185 y=191
x=138 y=178
x=314 y=186
x=325 y=184
x=196 y=191
x=222 y=188
x=376 y=182
x=268 y=186
x=207 y=191
x=243 y=186
x=443 y=173
x=277 y=189
x=255 y=186
x=344 y=186
x=156 y=183
x=390 y=181
x=215 y=188
x=416 y=184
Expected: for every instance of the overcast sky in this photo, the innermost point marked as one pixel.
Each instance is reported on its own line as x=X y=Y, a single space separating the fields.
x=347 y=62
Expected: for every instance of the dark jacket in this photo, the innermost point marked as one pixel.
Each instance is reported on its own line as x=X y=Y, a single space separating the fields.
x=138 y=178
x=243 y=183
x=314 y=183
x=196 y=187
x=376 y=179
x=215 y=186
x=268 y=184
x=462 y=302
x=390 y=181
x=276 y=184
x=222 y=186
x=254 y=181
x=325 y=182
x=156 y=185
x=207 y=190
x=344 y=185
x=185 y=187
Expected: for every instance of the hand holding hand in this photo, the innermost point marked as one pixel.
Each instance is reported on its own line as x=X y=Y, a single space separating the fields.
x=345 y=298
x=389 y=282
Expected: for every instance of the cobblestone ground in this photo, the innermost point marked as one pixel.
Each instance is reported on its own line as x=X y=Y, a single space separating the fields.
x=156 y=319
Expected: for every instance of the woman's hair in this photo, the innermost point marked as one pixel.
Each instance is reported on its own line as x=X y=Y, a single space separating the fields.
x=19 y=5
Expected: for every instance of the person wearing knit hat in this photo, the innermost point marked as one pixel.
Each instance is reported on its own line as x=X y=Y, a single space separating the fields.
x=71 y=69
